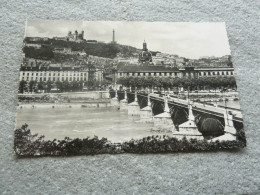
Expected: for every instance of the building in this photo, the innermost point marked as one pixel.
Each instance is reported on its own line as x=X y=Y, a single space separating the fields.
x=75 y=37
x=145 y=57
x=161 y=71
x=34 y=70
x=146 y=71
x=69 y=51
x=35 y=45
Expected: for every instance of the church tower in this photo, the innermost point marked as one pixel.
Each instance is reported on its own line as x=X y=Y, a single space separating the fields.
x=144 y=46
x=145 y=57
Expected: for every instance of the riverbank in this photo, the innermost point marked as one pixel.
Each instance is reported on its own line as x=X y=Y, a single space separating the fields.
x=93 y=104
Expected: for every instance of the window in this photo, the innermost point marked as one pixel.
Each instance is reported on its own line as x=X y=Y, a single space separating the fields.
x=36 y=74
x=231 y=73
x=32 y=74
x=227 y=73
x=213 y=73
x=127 y=74
x=223 y=73
x=54 y=74
x=58 y=74
x=160 y=74
x=53 y=78
x=200 y=73
x=49 y=74
x=28 y=74
x=175 y=73
x=204 y=73
x=217 y=73
x=138 y=73
x=23 y=73
x=85 y=74
x=150 y=74
x=209 y=73
x=44 y=79
x=70 y=79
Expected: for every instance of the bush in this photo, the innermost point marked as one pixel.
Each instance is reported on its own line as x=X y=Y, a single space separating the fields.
x=26 y=144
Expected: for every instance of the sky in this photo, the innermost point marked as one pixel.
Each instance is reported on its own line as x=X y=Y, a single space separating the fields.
x=186 y=39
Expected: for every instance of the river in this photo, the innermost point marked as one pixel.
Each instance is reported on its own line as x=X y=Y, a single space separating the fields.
x=58 y=123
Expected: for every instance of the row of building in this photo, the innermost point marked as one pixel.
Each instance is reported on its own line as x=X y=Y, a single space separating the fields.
x=67 y=74
x=160 y=71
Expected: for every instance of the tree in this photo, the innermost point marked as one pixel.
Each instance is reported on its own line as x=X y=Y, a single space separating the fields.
x=60 y=86
x=32 y=85
x=49 y=86
x=40 y=85
x=22 y=86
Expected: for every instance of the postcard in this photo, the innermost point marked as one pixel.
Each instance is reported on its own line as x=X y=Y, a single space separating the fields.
x=97 y=87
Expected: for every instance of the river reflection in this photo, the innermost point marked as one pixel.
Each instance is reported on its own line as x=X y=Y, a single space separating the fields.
x=115 y=125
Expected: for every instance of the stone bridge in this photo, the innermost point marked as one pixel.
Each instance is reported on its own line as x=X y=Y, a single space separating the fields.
x=210 y=121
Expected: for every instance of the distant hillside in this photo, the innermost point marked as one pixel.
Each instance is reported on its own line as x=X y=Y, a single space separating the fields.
x=105 y=50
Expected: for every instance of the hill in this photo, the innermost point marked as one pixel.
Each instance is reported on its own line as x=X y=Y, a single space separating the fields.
x=106 y=50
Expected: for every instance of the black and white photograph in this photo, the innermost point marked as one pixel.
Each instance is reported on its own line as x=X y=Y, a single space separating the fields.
x=110 y=87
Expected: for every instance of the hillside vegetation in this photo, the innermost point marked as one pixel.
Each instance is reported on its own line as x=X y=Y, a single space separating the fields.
x=105 y=50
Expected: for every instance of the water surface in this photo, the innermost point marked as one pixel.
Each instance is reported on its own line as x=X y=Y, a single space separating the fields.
x=57 y=123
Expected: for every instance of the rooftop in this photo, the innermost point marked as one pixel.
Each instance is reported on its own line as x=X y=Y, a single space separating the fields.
x=147 y=69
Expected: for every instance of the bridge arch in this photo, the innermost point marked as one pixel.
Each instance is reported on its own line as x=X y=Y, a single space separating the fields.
x=209 y=125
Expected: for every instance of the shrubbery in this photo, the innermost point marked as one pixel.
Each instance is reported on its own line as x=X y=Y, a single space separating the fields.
x=26 y=144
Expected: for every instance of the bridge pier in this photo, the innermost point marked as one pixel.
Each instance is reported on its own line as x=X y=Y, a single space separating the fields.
x=114 y=101
x=163 y=121
x=124 y=103
x=146 y=113
x=230 y=131
x=133 y=108
x=188 y=129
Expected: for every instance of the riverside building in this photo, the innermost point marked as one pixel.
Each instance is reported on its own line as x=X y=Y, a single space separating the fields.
x=56 y=72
